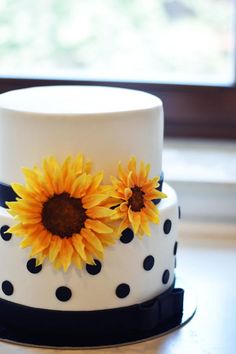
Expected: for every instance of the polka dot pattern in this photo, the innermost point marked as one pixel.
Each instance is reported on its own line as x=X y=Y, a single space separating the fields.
x=179 y=212
x=175 y=248
x=167 y=226
x=127 y=236
x=148 y=263
x=94 y=269
x=6 y=236
x=32 y=267
x=63 y=293
x=7 y=288
x=165 y=276
x=122 y=290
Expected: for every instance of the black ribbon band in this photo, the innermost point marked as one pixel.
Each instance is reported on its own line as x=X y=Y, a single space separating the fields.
x=7 y=194
x=93 y=328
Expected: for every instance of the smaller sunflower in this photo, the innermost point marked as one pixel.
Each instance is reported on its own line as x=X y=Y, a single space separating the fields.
x=133 y=193
x=60 y=213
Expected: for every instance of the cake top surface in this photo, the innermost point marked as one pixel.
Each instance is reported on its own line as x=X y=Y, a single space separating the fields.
x=77 y=100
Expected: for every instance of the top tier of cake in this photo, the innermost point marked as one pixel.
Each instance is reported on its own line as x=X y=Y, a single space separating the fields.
x=107 y=125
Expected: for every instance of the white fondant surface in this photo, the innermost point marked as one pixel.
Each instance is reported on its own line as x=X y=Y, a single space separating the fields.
x=77 y=100
x=123 y=263
x=106 y=124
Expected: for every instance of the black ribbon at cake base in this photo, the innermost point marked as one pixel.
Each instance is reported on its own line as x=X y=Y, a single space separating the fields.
x=52 y=328
x=7 y=194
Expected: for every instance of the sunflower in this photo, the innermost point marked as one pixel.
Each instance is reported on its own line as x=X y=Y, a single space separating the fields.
x=133 y=193
x=60 y=213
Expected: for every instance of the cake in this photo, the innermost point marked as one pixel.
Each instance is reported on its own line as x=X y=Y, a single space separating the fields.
x=88 y=226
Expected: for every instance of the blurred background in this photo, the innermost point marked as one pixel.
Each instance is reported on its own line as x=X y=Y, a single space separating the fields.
x=181 y=41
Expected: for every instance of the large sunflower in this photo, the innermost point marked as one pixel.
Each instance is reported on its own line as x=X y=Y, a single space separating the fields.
x=133 y=193
x=60 y=213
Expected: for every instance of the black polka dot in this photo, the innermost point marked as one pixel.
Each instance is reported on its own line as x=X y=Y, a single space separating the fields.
x=179 y=212
x=167 y=226
x=94 y=269
x=7 y=288
x=165 y=276
x=175 y=248
x=127 y=236
x=148 y=262
x=122 y=290
x=32 y=267
x=63 y=293
x=6 y=236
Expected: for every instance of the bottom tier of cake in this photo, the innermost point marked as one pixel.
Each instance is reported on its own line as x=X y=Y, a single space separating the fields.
x=133 y=271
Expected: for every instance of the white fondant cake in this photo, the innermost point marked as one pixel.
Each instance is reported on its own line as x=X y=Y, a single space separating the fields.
x=106 y=125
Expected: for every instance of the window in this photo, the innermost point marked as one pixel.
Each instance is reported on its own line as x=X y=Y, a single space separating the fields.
x=180 y=50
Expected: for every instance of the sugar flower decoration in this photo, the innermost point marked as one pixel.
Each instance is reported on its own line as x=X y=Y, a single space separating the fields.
x=133 y=193
x=60 y=213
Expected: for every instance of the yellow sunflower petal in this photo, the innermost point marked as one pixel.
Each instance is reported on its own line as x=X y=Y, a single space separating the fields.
x=90 y=259
x=150 y=205
x=54 y=248
x=152 y=215
x=22 y=207
x=49 y=176
x=127 y=193
x=57 y=263
x=95 y=183
x=114 y=180
x=131 y=179
x=79 y=246
x=135 y=219
x=66 y=168
x=88 y=166
x=107 y=239
x=40 y=258
x=93 y=252
x=121 y=173
x=28 y=240
x=123 y=225
x=99 y=212
x=91 y=201
x=32 y=220
x=98 y=226
x=155 y=195
x=78 y=186
x=132 y=164
x=143 y=173
x=77 y=260
x=92 y=239
x=17 y=229
x=65 y=254
x=22 y=191
x=42 y=241
x=144 y=225
x=124 y=207
x=32 y=179
x=78 y=164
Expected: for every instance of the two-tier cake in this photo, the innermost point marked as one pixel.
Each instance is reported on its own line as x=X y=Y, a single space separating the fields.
x=88 y=228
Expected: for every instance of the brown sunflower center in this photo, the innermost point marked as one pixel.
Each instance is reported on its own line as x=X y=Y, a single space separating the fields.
x=136 y=201
x=63 y=215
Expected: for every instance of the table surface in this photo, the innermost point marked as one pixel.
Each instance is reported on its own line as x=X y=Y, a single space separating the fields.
x=208 y=263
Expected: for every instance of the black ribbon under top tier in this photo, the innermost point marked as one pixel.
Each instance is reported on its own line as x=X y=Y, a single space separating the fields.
x=93 y=328
x=7 y=193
